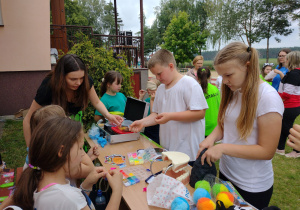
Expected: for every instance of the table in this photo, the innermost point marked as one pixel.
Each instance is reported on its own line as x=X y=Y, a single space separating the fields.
x=133 y=195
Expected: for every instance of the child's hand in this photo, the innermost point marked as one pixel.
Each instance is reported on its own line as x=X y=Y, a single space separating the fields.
x=152 y=96
x=94 y=152
x=142 y=94
x=115 y=119
x=206 y=143
x=276 y=71
x=163 y=118
x=294 y=137
x=136 y=126
x=93 y=177
x=212 y=154
x=115 y=180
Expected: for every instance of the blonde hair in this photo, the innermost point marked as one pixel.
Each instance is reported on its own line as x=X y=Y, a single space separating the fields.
x=153 y=84
x=244 y=55
x=162 y=57
x=197 y=58
x=47 y=111
x=293 y=60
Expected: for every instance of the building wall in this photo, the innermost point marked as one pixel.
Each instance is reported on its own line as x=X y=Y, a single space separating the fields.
x=24 y=52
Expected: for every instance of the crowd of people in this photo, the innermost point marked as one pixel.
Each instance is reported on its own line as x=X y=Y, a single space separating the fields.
x=253 y=117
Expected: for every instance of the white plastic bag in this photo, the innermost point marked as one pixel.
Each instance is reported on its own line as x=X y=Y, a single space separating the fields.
x=164 y=189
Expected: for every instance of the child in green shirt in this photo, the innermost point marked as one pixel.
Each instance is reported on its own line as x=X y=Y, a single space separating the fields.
x=267 y=67
x=212 y=96
x=111 y=97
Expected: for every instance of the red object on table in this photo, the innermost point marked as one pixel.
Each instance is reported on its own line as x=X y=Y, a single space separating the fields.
x=117 y=130
x=3 y=180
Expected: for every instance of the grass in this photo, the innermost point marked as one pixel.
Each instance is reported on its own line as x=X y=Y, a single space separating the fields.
x=287 y=176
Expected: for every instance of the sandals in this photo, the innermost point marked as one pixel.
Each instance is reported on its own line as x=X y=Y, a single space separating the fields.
x=280 y=152
x=293 y=154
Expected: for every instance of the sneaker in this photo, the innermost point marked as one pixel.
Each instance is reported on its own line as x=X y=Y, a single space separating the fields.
x=280 y=152
x=293 y=154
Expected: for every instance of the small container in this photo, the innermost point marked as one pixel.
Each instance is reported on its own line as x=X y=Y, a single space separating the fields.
x=100 y=201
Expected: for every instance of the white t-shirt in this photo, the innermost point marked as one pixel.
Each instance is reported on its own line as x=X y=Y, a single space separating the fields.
x=59 y=197
x=249 y=175
x=184 y=137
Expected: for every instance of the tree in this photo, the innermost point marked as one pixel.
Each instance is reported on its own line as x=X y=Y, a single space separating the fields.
x=151 y=38
x=184 y=38
x=274 y=20
x=93 y=10
x=220 y=21
x=108 y=19
x=74 y=13
x=169 y=8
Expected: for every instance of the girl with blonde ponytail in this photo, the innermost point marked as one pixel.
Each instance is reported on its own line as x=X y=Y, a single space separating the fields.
x=249 y=122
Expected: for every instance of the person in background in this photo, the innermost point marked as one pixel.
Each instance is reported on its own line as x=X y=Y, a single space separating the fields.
x=113 y=100
x=197 y=62
x=70 y=87
x=249 y=123
x=219 y=83
x=294 y=137
x=212 y=96
x=179 y=107
x=281 y=59
x=289 y=90
x=152 y=131
x=266 y=69
x=43 y=185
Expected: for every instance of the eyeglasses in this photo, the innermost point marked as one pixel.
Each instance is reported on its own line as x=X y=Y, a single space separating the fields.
x=281 y=56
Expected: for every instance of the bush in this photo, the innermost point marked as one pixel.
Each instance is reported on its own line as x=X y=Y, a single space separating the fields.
x=99 y=61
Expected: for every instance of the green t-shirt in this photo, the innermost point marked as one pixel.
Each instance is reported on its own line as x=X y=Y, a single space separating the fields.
x=211 y=115
x=148 y=100
x=113 y=103
x=261 y=76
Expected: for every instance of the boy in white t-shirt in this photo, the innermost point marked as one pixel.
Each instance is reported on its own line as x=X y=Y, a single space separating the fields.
x=179 y=107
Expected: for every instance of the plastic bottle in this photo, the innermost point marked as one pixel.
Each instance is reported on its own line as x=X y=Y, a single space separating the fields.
x=100 y=200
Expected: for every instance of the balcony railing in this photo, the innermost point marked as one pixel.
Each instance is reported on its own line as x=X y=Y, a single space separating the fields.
x=63 y=37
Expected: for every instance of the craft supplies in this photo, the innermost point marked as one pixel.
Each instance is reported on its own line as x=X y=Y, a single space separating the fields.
x=139 y=171
x=118 y=160
x=135 y=159
x=129 y=179
x=9 y=184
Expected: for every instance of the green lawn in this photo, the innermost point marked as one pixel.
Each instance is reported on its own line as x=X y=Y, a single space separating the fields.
x=287 y=176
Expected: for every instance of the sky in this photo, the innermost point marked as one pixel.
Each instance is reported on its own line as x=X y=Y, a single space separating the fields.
x=129 y=11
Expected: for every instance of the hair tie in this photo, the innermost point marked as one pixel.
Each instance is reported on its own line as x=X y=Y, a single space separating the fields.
x=248 y=49
x=202 y=69
x=34 y=167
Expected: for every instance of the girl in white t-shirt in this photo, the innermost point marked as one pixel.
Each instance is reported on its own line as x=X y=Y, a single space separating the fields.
x=248 y=108
x=56 y=149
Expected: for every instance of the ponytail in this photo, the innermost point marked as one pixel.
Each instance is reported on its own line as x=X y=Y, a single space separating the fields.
x=27 y=184
x=203 y=74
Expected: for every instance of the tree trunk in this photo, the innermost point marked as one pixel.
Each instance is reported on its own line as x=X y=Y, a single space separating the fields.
x=267 y=50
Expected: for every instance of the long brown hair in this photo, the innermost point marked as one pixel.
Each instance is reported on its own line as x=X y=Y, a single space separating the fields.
x=244 y=55
x=203 y=74
x=109 y=78
x=46 y=142
x=69 y=63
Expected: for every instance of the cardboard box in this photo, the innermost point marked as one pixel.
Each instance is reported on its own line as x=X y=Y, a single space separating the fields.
x=134 y=110
x=21 y=113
